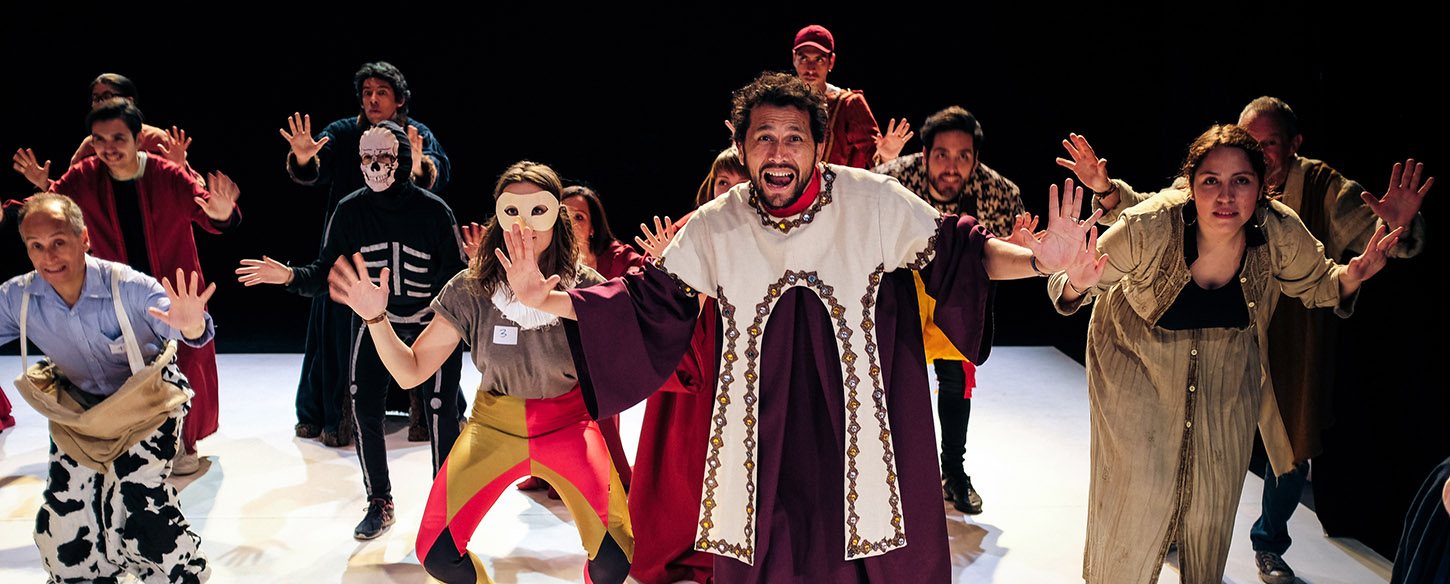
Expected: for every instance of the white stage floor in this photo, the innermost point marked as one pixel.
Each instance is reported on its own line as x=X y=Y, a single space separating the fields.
x=274 y=508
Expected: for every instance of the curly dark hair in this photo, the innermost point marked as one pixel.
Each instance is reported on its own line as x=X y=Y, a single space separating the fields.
x=116 y=108
x=1231 y=136
x=384 y=71
x=781 y=90
x=560 y=258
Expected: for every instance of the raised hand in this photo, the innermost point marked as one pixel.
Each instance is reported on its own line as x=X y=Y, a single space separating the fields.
x=1403 y=199
x=1024 y=226
x=1091 y=171
x=223 y=199
x=188 y=308
x=1085 y=268
x=472 y=240
x=303 y=146
x=655 y=242
x=415 y=142
x=174 y=148
x=348 y=283
x=1368 y=263
x=24 y=162
x=1065 y=233
x=264 y=271
x=889 y=145
x=528 y=284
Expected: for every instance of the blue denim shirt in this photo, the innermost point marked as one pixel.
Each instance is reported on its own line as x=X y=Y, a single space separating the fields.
x=85 y=341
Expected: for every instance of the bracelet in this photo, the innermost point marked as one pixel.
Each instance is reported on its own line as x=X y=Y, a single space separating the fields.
x=384 y=316
x=1039 y=271
x=1112 y=188
x=1074 y=288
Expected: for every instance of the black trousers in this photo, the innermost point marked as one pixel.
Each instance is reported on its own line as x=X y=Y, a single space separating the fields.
x=369 y=385
x=955 y=411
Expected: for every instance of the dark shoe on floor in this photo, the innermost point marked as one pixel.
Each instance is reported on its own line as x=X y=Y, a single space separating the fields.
x=533 y=484
x=379 y=517
x=959 y=491
x=336 y=438
x=1273 y=569
x=305 y=430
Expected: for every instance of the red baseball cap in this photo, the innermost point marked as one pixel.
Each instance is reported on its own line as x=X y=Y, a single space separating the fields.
x=816 y=36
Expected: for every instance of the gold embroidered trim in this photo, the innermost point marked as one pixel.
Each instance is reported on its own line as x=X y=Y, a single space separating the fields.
x=878 y=397
x=717 y=440
x=925 y=256
x=784 y=226
x=659 y=263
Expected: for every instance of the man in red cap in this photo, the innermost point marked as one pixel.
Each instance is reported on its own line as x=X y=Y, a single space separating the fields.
x=852 y=137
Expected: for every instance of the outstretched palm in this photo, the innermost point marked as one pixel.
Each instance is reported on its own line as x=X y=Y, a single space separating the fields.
x=1065 y=234
x=303 y=146
x=528 y=283
x=348 y=283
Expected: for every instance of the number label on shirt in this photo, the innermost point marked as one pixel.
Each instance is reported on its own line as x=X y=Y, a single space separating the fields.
x=505 y=335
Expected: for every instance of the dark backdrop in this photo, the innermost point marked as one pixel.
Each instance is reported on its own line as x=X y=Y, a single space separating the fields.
x=631 y=100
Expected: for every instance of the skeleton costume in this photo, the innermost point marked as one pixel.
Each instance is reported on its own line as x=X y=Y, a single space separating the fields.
x=819 y=378
x=399 y=226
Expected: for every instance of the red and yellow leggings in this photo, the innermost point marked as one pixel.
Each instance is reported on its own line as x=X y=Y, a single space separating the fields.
x=506 y=439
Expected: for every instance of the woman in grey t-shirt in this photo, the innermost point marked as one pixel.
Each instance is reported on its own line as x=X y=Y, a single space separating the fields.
x=529 y=417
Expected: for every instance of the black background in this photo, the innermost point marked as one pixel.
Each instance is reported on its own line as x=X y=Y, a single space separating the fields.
x=631 y=98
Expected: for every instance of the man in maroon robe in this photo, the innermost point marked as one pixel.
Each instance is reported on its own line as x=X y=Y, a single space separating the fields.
x=821 y=465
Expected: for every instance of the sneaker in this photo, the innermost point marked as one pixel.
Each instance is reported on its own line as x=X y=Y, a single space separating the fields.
x=379 y=517
x=185 y=463
x=305 y=430
x=1273 y=569
x=959 y=491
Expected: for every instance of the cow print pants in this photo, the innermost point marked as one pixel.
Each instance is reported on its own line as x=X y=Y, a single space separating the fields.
x=93 y=527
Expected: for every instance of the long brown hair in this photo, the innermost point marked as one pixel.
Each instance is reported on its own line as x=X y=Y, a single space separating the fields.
x=560 y=258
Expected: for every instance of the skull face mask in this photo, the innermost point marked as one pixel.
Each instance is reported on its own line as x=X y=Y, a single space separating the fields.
x=539 y=210
x=379 y=151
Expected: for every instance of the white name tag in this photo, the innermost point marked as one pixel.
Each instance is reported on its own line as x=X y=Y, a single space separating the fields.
x=118 y=348
x=505 y=335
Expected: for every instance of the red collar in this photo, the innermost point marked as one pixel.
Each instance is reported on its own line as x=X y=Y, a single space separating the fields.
x=801 y=204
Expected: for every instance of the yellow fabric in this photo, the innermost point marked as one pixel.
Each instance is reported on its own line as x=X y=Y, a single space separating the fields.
x=938 y=346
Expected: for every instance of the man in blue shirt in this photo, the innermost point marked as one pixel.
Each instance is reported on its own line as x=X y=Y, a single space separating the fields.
x=93 y=526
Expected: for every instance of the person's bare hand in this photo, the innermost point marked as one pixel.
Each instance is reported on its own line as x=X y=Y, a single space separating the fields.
x=25 y=163
x=263 y=271
x=223 y=197
x=175 y=145
x=188 y=307
x=889 y=145
x=1065 y=233
x=1024 y=225
x=472 y=239
x=415 y=142
x=654 y=242
x=1369 y=263
x=300 y=138
x=348 y=283
x=1090 y=170
x=1404 y=197
x=527 y=283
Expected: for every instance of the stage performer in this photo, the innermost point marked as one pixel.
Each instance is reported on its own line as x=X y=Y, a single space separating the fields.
x=529 y=416
x=1342 y=216
x=674 y=435
x=107 y=509
x=949 y=175
x=820 y=378
x=852 y=138
x=141 y=209
x=329 y=159
x=1176 y=372
x=393 y=223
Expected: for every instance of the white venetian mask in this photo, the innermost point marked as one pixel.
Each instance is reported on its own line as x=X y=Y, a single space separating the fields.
x=379 y=151
x=539 y=210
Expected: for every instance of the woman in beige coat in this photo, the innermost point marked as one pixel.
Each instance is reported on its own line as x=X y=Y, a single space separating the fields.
x=1188 y=280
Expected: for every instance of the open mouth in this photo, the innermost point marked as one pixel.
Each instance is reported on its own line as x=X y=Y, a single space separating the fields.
x=778 y=178
x=1225 y=214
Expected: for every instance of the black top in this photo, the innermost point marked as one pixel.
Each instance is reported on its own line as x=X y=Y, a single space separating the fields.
x=133 y=228
x=1222 y=307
